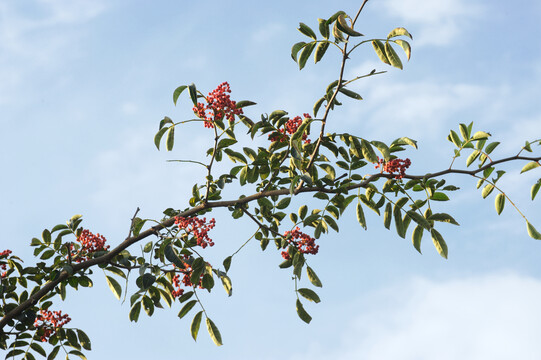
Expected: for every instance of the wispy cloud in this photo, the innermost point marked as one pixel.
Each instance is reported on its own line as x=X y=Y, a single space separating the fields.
x=435 y=22
x=36 y=37
x=492 y=317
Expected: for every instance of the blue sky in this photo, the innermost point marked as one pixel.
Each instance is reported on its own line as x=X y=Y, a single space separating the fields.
x=84 y=85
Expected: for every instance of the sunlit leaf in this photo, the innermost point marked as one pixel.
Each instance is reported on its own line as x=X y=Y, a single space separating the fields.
x=309 y=294
x=499 y=203
x=177 y=93
x=530 y=166
x=196 y=322
x=439 y=243
x=360 y=216
x=345 y=27
x=313 y=277
x=380 y=51
x=302 y=313
x=416 y=238
x=392 y=56
x=534 y=234
x=405 y=46
x=114 y=286
x=306 y=30
x=399 y=31
x=305 y=54
x=320 y=51
x=214 y=332
x=170 y=138
x=295 y=50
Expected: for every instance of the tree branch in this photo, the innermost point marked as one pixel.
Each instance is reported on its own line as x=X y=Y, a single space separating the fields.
x=107 y=258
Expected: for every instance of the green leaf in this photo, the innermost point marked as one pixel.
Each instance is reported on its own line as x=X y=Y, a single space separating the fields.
x=135 y=311
x=114 y=286
x=309 y=294
x=302 y=313
x=78 y=353
x=490 y=147
x=383 y=149
x=392 y=56
x=387 y=215
x=305 y=54
x=351 y=94
x=186 y=308
x=317 y=105
x=227 y=263
x=487 y=190
x=443 y=217
x=380 y=51
x=405 y=141
x=53 y=353
x=193 y=93
x=177 y=93
x=455 y=139
x=473 y=156
x=37 y=348
x=419 y=219
x=196 y=322
x=534 y=234
x=170 y=138
x=226 y=282
x=439 y=196
x=368 y=151
x=480 y=135
x=172 y=256
x=416 y=237
x=344 y=26
x=530 y=166
x=284 y=203
x=360 y=216
x=399 y=224
x=324 y=28
x=399 y=31
x=499 y=203
x=535 y=188
x=439 y=243
x=405 y=46
x=84 y=340
x=312 y=276
x=148 y=305
x=329 y=170
x=320 y=51
x=226 y=142
x=214 y=332
x=306 y=30
x=295 y=50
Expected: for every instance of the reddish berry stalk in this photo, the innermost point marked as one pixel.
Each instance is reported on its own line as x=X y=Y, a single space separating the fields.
x=302 y=242
x=219 y=105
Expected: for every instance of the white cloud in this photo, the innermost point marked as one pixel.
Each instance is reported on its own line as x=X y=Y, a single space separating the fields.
x=485 y=317
x=437 y=22
x=417 y=109
x=37 y=37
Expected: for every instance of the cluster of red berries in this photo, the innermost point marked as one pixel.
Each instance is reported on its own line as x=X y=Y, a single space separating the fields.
x=49 y=321
x=397 y=166
x=4 y=254
x=198 y=228
x=185 y=281
x=90 y=243
x=302 y=242
x=291 y=127
x=219 y=104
